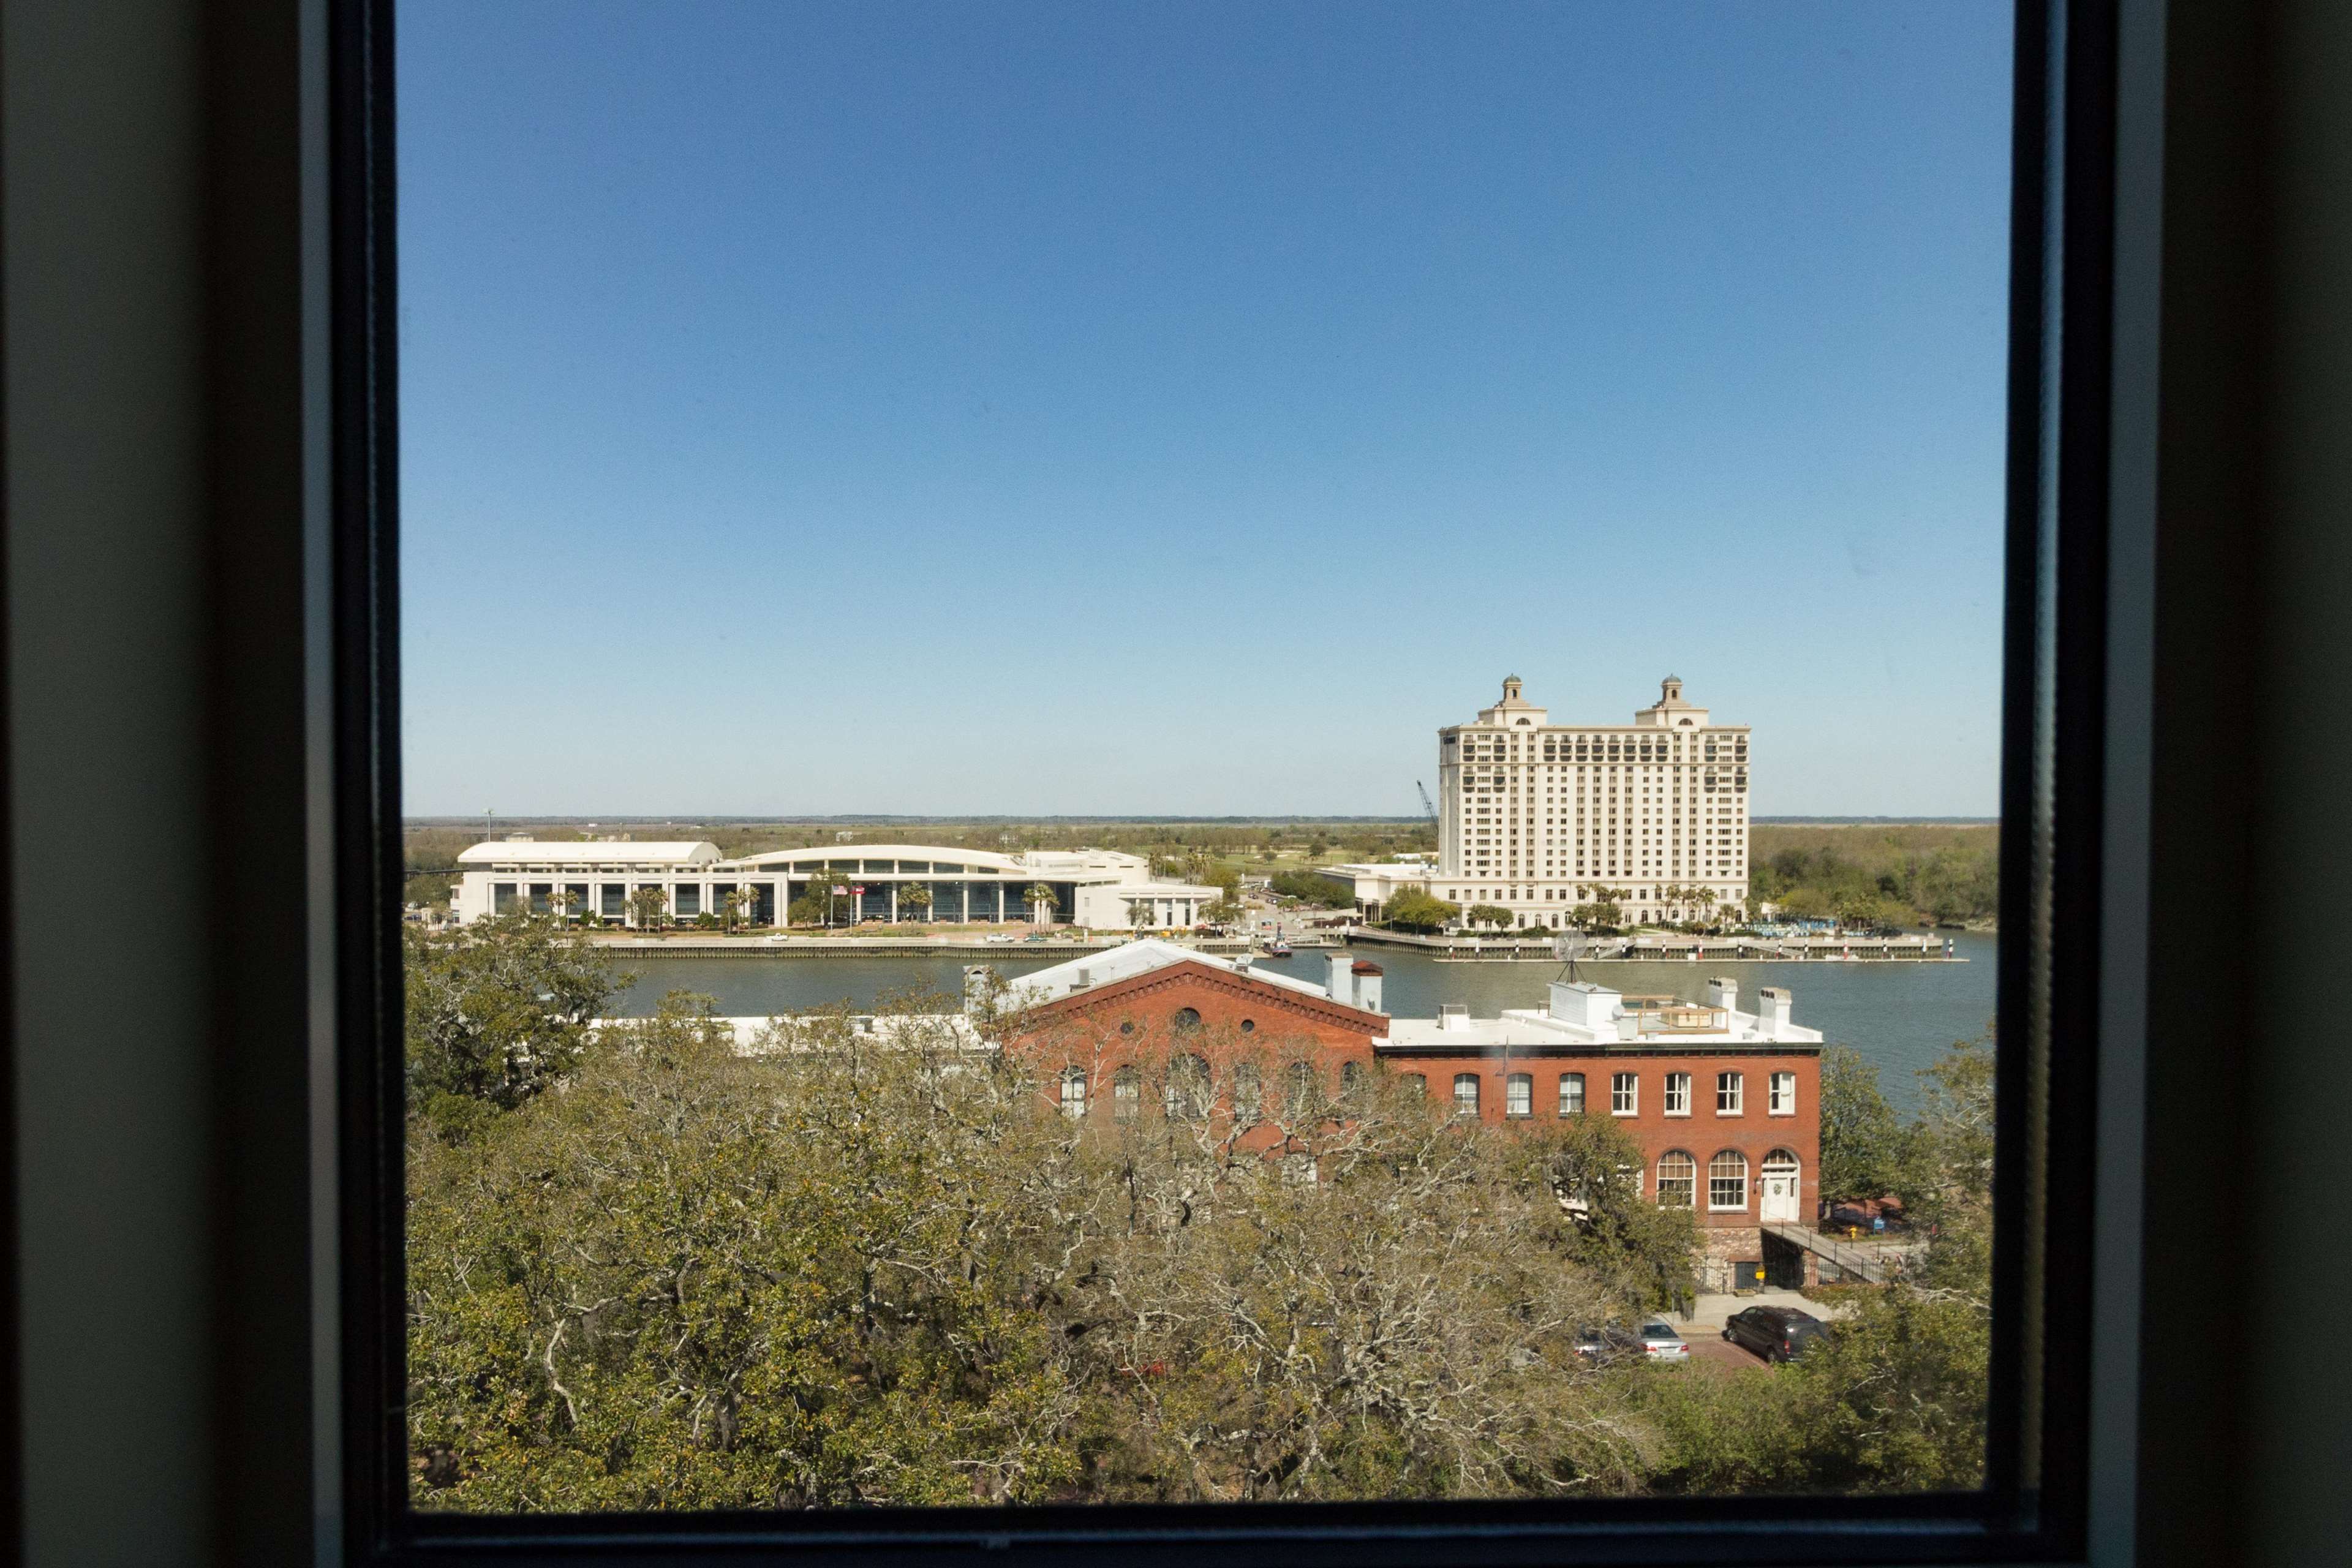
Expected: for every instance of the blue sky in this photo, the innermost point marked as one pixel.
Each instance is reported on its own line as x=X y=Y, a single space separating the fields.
x=1188 y=409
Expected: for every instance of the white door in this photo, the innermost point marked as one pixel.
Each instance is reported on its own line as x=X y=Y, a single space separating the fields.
x=1780 y=1186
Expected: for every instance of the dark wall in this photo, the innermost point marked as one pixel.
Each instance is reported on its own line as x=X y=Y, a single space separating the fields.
x=152 y=280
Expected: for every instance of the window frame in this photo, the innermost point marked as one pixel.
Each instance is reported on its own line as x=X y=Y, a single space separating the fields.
x=2055 y=729
x=1518 y=1096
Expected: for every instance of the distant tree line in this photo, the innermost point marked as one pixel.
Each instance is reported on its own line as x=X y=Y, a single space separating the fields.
x=1895 y=876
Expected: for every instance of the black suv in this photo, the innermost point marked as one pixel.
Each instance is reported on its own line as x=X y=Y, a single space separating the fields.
x=1775 y=1334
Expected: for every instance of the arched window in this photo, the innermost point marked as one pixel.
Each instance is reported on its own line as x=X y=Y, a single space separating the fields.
x=1727 y=1181
x=1352 y=1077
x=1126 y=1094
x=1466 y=1094
x=1678 y=1179
x=1184 y=1020
x=1073 y=1092
x=1249 y=1094
x=1305 y=1090
x=1188 y=1086
x=1571 y=1094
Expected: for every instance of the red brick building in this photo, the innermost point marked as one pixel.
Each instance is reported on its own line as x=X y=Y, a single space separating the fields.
x=1725 y=1105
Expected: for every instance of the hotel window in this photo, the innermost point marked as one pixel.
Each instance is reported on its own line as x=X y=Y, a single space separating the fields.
x=1466 y=1094
x=1783 y=1100
x=1729 y=1091
x=1520 y=1095
x=1726 y=1182
x=1571 y=1094
x=1624 y=1094
x=1073 y=1092
x=1678 y=1093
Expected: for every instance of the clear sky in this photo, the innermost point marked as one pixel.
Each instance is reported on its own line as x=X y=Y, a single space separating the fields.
x=1184 y=408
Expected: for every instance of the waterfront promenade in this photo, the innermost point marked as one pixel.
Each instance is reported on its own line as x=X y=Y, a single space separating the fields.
x=1666 y=948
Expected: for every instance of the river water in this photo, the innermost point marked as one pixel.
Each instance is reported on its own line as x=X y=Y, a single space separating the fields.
x=1900 y=1016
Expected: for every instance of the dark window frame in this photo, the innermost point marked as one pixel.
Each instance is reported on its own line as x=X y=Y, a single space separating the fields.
x=2055 y=680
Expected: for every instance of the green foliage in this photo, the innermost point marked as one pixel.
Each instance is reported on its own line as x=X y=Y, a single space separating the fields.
x=700 y=1281
x=1896 y=1399
x=1893 y=875
x=1488 y=915
x=871 y=1269
x=1414 y=910
x=433 y=889
x=1310 y=889
x=869 y=1266
x=1893 y=1402
x=1640 y=1251
x=497 y=1011
x=649 y=907
x=1863 y=1145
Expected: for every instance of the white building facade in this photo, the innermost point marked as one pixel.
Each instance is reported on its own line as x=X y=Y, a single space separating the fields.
x=1538 y=817
x=896 y=883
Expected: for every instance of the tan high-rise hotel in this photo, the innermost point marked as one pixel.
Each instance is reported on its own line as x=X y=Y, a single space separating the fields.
x=1536 y=817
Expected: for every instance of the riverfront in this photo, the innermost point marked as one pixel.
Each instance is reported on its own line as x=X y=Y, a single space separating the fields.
x=1899 y=1016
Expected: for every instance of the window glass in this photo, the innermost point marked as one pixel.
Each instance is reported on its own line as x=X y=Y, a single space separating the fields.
x=1118 y=397
x=1727 y=1181
x=1466 y=1094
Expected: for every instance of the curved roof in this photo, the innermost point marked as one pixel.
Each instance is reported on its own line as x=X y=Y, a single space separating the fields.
x=980 y=858
x=577 y=852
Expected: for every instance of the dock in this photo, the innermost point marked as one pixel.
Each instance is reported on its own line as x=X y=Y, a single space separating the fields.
x=879 y=947
x=1669 y=949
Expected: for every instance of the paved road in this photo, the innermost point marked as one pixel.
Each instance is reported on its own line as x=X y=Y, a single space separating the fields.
x=1711 y=1350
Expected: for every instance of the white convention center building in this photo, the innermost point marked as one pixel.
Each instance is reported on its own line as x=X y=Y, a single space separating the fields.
x=1098 y=887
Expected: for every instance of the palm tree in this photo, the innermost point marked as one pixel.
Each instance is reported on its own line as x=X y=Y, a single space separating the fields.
x=649 y=907
x=1040 y=896
x=559 y=898
x=1140 y=911
x=736 y=906
x=915 y=896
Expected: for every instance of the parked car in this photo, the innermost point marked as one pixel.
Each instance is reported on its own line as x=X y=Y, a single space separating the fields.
x=1775 y=1334
x=1661 y=1342
x=1615 y=1343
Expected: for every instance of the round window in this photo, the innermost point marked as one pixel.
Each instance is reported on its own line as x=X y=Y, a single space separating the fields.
x=1249 y=1026
x=1126 y=1028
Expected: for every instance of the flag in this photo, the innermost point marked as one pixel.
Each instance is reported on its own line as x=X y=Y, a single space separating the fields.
x=840 y=893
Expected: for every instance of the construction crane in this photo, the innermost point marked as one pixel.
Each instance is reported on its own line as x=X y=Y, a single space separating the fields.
x=1427 y=805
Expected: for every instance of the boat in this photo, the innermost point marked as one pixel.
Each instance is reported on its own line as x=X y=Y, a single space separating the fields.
x=1277 y=948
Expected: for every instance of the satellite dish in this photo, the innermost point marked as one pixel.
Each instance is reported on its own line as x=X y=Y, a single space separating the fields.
x=1569 y=946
